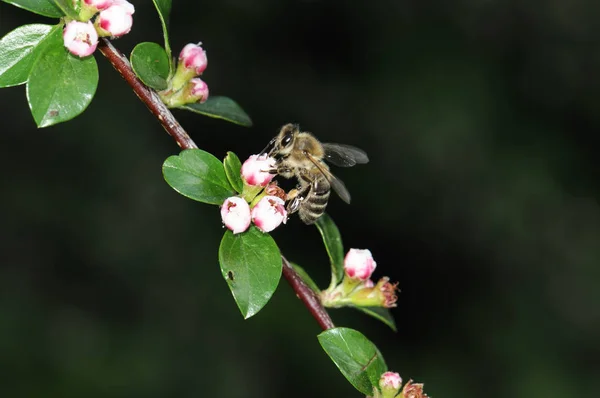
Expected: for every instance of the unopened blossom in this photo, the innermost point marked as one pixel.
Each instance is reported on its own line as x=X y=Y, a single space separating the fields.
x=126 y=5
x=80 y=38
x=198 y=90
x=192 y=63
x=115 y=20
x=89 y=8
x=98 y=4
x=235 y=214
x=255 y=170
x=193 y=90
x=268 y=213
x=390 y=383
x=193 y=56
x=413 y=390
x=359 y=264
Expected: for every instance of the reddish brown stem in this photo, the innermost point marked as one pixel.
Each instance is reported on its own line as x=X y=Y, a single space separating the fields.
x=307 y=295
x=172 y=126
x=146 y=95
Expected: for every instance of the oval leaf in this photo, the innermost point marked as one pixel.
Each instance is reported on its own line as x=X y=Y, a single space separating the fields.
x=198 y=175
x=60 y=86
x=356 y=357
x=251 y=264
x=150 y=63
x=233 y=168
x=18 y=51
x=383 y=314
x=306 y=278
x=164 y=12
x=221 y=108
x=47 y=8
x=69 y=8
x=333 y=244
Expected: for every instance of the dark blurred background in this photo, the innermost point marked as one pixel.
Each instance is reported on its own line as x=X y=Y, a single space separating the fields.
x=482 y=122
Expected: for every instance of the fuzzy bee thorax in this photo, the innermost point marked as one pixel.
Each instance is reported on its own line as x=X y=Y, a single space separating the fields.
x=305 y=142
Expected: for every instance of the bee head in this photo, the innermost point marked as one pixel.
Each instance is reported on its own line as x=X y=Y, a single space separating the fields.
x=282 y=144
x=287 y=136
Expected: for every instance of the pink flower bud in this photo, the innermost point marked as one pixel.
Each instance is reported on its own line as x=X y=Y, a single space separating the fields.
x=199 y=90
x=116 y=20
x=268 y=213
x=255 y=170
x=235 y=214
x=80 y=38
x=359 y=264
x=193 y=57
x=98 y=4
x=129 y=8
x=390 y=383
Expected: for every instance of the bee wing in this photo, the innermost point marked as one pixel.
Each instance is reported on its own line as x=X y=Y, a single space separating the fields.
x=344 y=155
x=337 y=184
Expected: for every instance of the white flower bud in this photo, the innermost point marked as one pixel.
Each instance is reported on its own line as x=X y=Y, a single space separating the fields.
x=235 y=214
x=80 y=38
x=268 y=213
x=359 y=264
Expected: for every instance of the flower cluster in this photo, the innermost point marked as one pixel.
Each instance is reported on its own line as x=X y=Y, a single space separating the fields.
x=389 y=387
x=266 y=210
x=96 y=18
x=357 y=288
x=185 y=87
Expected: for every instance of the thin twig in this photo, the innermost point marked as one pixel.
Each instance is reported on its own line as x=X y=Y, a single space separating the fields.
x=307 y=295
x=146 y=95
x=172 y=126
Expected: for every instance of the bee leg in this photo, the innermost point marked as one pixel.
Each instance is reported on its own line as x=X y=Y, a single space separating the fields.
x=293 y=201
x=284 y=170
x=292 y=194
x=294 y=204
x=295 y=198
x=279 y=170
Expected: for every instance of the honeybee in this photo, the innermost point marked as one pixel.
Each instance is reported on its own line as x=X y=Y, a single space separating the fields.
x=299 y=154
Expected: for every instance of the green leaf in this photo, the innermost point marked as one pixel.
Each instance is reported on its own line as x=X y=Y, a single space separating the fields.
x=47 y=8
x=233 y=168
x=198 y=175
x=67 y=7
x=151 y=64
x=251 y=265
x=18 y=51
x=306 y=278
x=60 y=85
x=383 y=314
x=164 y=11
x=356 y=357
x=333 y=244
x=221 y=108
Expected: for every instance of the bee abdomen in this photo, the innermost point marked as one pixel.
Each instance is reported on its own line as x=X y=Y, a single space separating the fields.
x=313 y=207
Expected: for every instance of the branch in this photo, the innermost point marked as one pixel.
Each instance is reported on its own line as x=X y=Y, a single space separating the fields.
x=307 y=295
x=172 y=126
x=146 y=95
